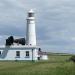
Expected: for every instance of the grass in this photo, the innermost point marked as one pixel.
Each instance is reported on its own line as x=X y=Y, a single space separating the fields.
x=56 y=65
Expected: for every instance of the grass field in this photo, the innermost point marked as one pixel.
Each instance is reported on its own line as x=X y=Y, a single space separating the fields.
x=56 y=65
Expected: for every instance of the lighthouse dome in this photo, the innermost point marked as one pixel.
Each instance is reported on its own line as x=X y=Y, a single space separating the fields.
x=31 y=11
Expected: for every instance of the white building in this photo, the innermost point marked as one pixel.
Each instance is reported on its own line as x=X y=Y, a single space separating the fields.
x=29 y=51
x=42 y=55
x=18 y=53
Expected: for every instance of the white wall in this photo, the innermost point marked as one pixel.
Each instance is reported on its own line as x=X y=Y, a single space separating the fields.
x=44 y=57
x=10 y=53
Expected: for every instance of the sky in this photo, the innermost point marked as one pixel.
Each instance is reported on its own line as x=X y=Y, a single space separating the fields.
x=55 y=22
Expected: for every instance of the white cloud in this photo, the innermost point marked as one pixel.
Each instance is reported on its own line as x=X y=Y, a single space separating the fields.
x=55 y=21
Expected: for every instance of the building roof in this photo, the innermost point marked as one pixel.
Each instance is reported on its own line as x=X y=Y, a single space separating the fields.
x=42 y=53
x=19 y=47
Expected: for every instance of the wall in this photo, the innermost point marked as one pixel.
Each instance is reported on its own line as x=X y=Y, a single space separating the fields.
x=9 y=53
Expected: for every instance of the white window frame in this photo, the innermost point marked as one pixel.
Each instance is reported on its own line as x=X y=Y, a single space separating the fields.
x=27 y=54
x=17 y=54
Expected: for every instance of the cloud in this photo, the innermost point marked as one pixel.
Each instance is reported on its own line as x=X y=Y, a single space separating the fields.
x=55 y=23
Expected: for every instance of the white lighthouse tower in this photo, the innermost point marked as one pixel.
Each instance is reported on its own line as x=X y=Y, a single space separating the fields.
x=30 y=32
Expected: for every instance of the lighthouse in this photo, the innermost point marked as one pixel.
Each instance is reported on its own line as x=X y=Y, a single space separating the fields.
x=30 y=29
x=21 y=48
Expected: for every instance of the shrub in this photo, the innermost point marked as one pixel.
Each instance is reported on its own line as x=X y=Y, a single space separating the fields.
x=72 y=58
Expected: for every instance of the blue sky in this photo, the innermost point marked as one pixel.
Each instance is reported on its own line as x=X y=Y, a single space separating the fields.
x=55 y=22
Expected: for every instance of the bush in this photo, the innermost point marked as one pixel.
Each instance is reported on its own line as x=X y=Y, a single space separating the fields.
x=72 y=58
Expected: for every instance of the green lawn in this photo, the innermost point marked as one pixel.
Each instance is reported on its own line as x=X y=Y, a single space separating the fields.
x=56 y=65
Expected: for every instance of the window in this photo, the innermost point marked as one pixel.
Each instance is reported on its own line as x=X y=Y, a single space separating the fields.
x=0 y=52
x=27 y=53
x=17 y=53
x=31 y=14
